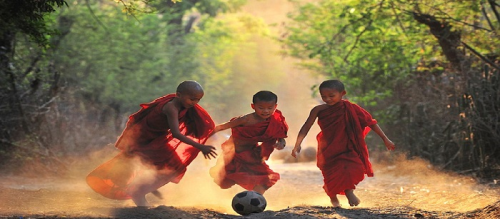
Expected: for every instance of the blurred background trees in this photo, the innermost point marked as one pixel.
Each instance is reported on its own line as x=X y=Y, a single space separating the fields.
x=429 y=69
x=72 y=71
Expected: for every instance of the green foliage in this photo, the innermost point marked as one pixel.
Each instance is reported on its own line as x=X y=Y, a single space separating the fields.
x=121 y=61
x=103 y=63
x=214 y=7
x=349 y=41
x=232 y=67
x=27 y=16
x=118 y=59
x=374 y=45
x=420 y=64
x=373 y=42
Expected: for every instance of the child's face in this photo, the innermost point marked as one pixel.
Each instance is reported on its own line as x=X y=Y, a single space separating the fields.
x=331 y=96
x=189 y=99
x=264 y=109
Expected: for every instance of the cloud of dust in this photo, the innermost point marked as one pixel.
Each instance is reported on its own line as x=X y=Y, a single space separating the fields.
x=416 y=183
x=401 y=182
x=292 y=86
x=409 y=183
x=264 y=68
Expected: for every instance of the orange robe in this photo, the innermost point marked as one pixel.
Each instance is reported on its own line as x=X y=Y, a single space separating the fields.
x=342 y=152
x=147 y=137
x=248 y=168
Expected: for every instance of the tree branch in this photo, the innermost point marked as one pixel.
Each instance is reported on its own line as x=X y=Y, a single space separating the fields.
x=493 y=8
x=357 y=40
x=32 y=65
x=458 y=21
x=480 y=56
x=448 y=39
x=97 y=19
x=483 y=10
x=398 y=19
x=360 y=34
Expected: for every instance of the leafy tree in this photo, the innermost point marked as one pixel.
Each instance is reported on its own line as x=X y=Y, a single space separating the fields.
x=373 y=44
x=232 y=67
x=26 y=17
x=416 y=58
x=99 y=66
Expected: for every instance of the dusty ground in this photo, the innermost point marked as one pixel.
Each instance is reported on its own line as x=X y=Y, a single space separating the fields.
x=405 y=189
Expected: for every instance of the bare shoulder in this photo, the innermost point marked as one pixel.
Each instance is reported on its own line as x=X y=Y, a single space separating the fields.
x=169 y=108
x=237 y=121
x=245 y=119
x=318 y=108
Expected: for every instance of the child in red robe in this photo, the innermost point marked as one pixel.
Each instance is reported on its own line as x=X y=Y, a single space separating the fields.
x=253 y=138
x=342 y=153
x=165 y=135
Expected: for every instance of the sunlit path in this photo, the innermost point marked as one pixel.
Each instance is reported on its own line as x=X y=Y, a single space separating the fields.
x=405 y=184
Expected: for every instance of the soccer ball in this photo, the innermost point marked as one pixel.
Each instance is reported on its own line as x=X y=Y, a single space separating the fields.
x=248 y=202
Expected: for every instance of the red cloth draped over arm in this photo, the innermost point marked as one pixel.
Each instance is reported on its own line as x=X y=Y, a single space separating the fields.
x=247 y=168
x=342 y=152
x=359 y=121
x=340 y=124
x=267 y=132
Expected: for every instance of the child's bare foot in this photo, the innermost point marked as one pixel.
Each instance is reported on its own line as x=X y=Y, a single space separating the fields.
x=335 y=201
x=140 y=201
x=353 y=199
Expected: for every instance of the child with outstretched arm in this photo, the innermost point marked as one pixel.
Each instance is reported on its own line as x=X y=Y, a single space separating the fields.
x=253 y=138
x=342 y=153
x=164 y=136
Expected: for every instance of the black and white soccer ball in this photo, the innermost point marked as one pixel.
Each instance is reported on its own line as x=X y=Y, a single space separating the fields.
x=248 y=202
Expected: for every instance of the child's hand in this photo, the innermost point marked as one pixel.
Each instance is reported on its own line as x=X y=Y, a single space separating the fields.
x=208 y=151
x=389 y=145
x=280 y=144
x=296 y=150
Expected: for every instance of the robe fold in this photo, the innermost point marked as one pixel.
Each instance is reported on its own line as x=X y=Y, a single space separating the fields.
x=147 y=138
x=342 y=152
x=248 y=168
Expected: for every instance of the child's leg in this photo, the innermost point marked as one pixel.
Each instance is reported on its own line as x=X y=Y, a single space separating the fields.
x=259 y=189
x=146 y=182
x=138 y=193
x=335 y=201
x=353 y=199
x=140 y=201
x=157 y=194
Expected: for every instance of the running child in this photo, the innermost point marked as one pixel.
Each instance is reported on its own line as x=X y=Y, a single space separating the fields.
x=342 y=153
x=253 y=138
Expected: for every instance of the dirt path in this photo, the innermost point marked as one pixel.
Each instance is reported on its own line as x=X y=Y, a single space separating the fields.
x=407 y=189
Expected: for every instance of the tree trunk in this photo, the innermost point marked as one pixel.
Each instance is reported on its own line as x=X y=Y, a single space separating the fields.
x=448 y=40
x=8 y=88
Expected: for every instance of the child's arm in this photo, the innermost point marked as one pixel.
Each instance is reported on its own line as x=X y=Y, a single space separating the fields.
x=304 y=130
x=388 y=143
x=233 y=123
x=173 y=122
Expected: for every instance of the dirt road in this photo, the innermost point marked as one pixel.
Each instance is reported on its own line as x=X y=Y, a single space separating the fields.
x=405 y=189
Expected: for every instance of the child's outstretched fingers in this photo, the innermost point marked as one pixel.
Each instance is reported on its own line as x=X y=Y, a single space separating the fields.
x=209 y=152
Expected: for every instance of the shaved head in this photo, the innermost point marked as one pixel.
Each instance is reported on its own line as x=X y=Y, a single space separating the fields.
x=189 y=87
x=332 y=84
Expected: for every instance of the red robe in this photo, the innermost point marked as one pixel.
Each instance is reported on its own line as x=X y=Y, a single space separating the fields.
x=248 y=168
x=147 y=137
x=342 y=152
